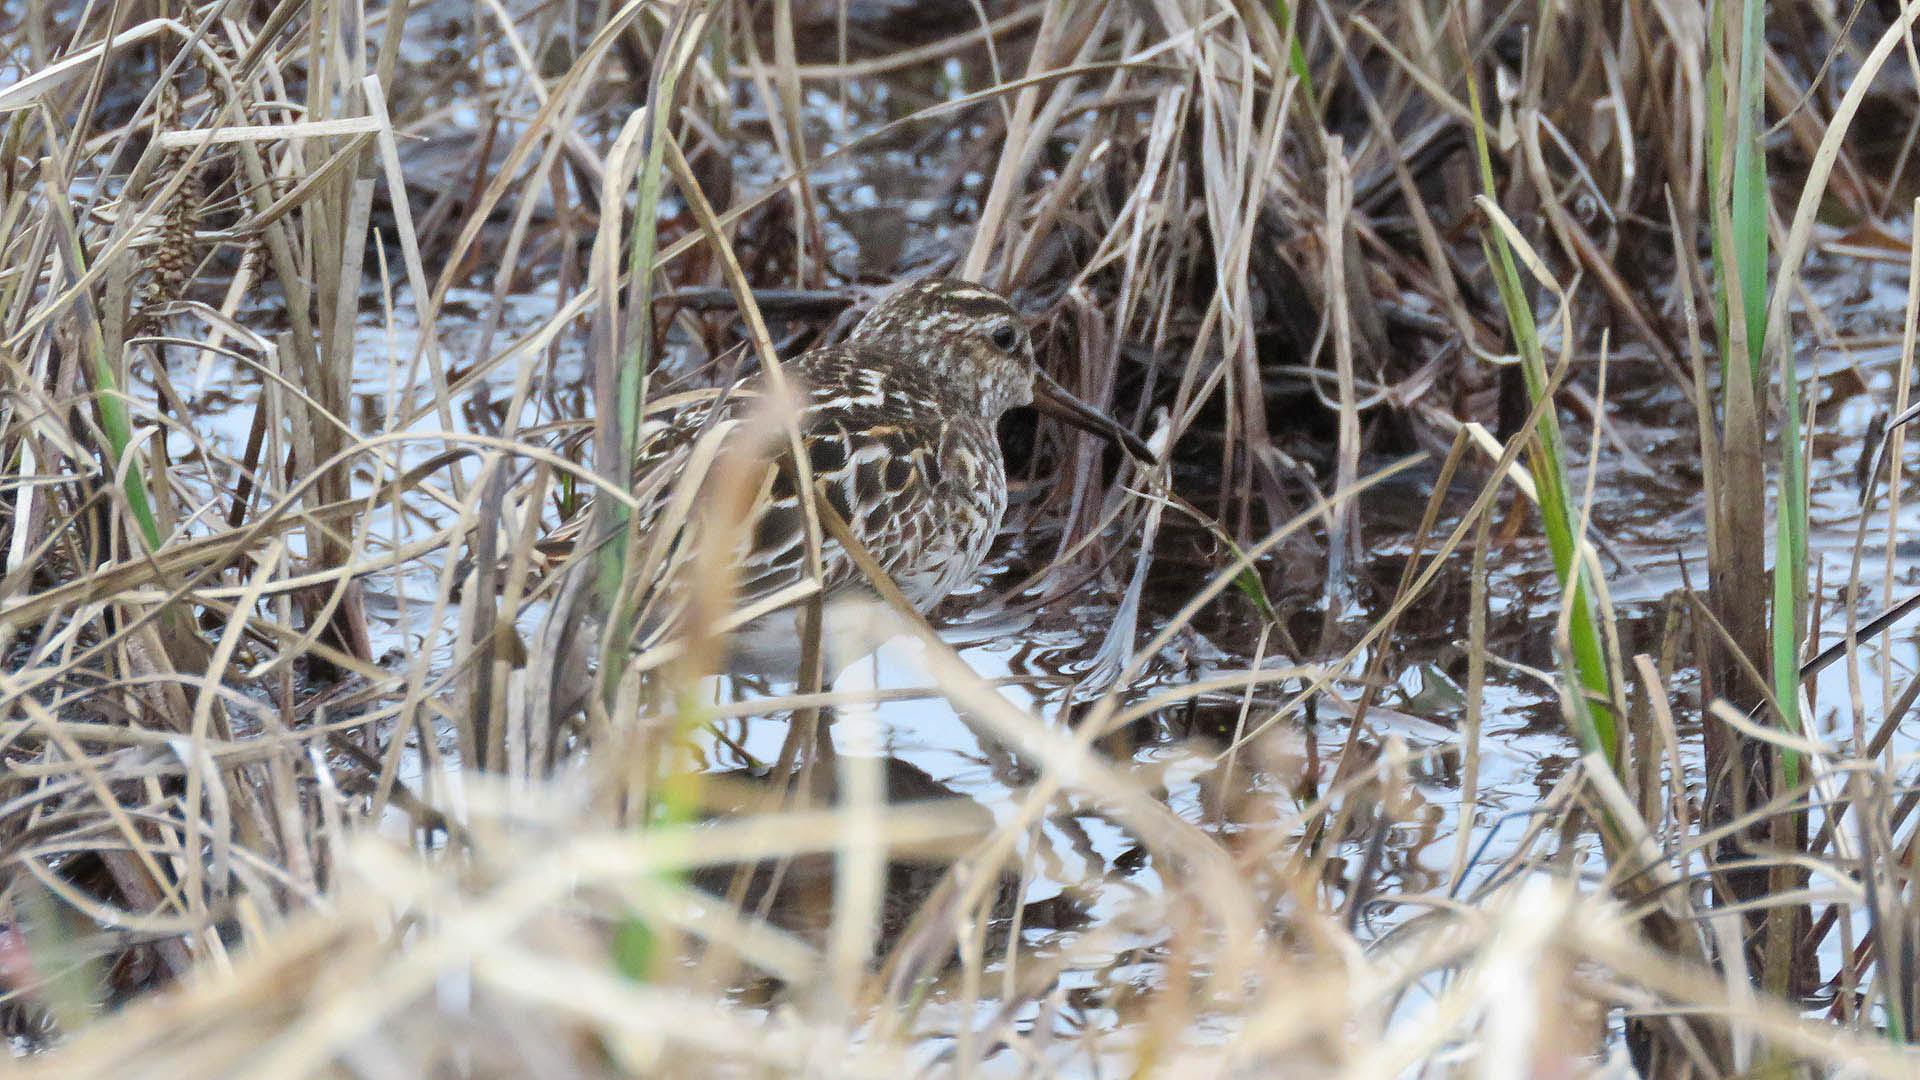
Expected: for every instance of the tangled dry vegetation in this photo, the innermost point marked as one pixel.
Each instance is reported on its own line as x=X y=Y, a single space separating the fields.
x=316 y=320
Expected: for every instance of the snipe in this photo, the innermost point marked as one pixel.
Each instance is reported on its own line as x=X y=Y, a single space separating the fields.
x=898 y=426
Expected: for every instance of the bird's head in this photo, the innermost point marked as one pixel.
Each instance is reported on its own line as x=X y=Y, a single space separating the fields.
x=980 y=348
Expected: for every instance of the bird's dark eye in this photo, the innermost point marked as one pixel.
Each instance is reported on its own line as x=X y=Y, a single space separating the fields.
x=1005 y=337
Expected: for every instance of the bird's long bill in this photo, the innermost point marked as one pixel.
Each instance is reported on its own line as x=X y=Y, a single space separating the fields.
x=1052 y=399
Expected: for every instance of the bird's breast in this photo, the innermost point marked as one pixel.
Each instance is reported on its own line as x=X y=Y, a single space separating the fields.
x=956 y=526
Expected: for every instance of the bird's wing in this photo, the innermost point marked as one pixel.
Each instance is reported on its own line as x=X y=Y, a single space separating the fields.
x=875 y=462
x=876 y=472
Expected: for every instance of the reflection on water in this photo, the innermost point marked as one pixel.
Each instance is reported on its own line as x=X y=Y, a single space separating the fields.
x=803 y=888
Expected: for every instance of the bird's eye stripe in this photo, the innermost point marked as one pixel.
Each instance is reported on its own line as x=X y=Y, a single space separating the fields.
x=974 y=294
x=973 y=309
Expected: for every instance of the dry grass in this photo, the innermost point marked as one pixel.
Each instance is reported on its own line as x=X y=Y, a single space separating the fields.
x=306 y=311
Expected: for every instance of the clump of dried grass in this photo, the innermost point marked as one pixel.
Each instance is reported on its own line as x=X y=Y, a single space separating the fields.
x=271 y=850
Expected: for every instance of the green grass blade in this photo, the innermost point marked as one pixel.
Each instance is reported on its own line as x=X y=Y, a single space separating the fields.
x=1283 y=14
x=118 y=427
x=1546 y=461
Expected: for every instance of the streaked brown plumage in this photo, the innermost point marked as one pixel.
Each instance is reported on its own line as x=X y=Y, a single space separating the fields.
x=898 y=424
